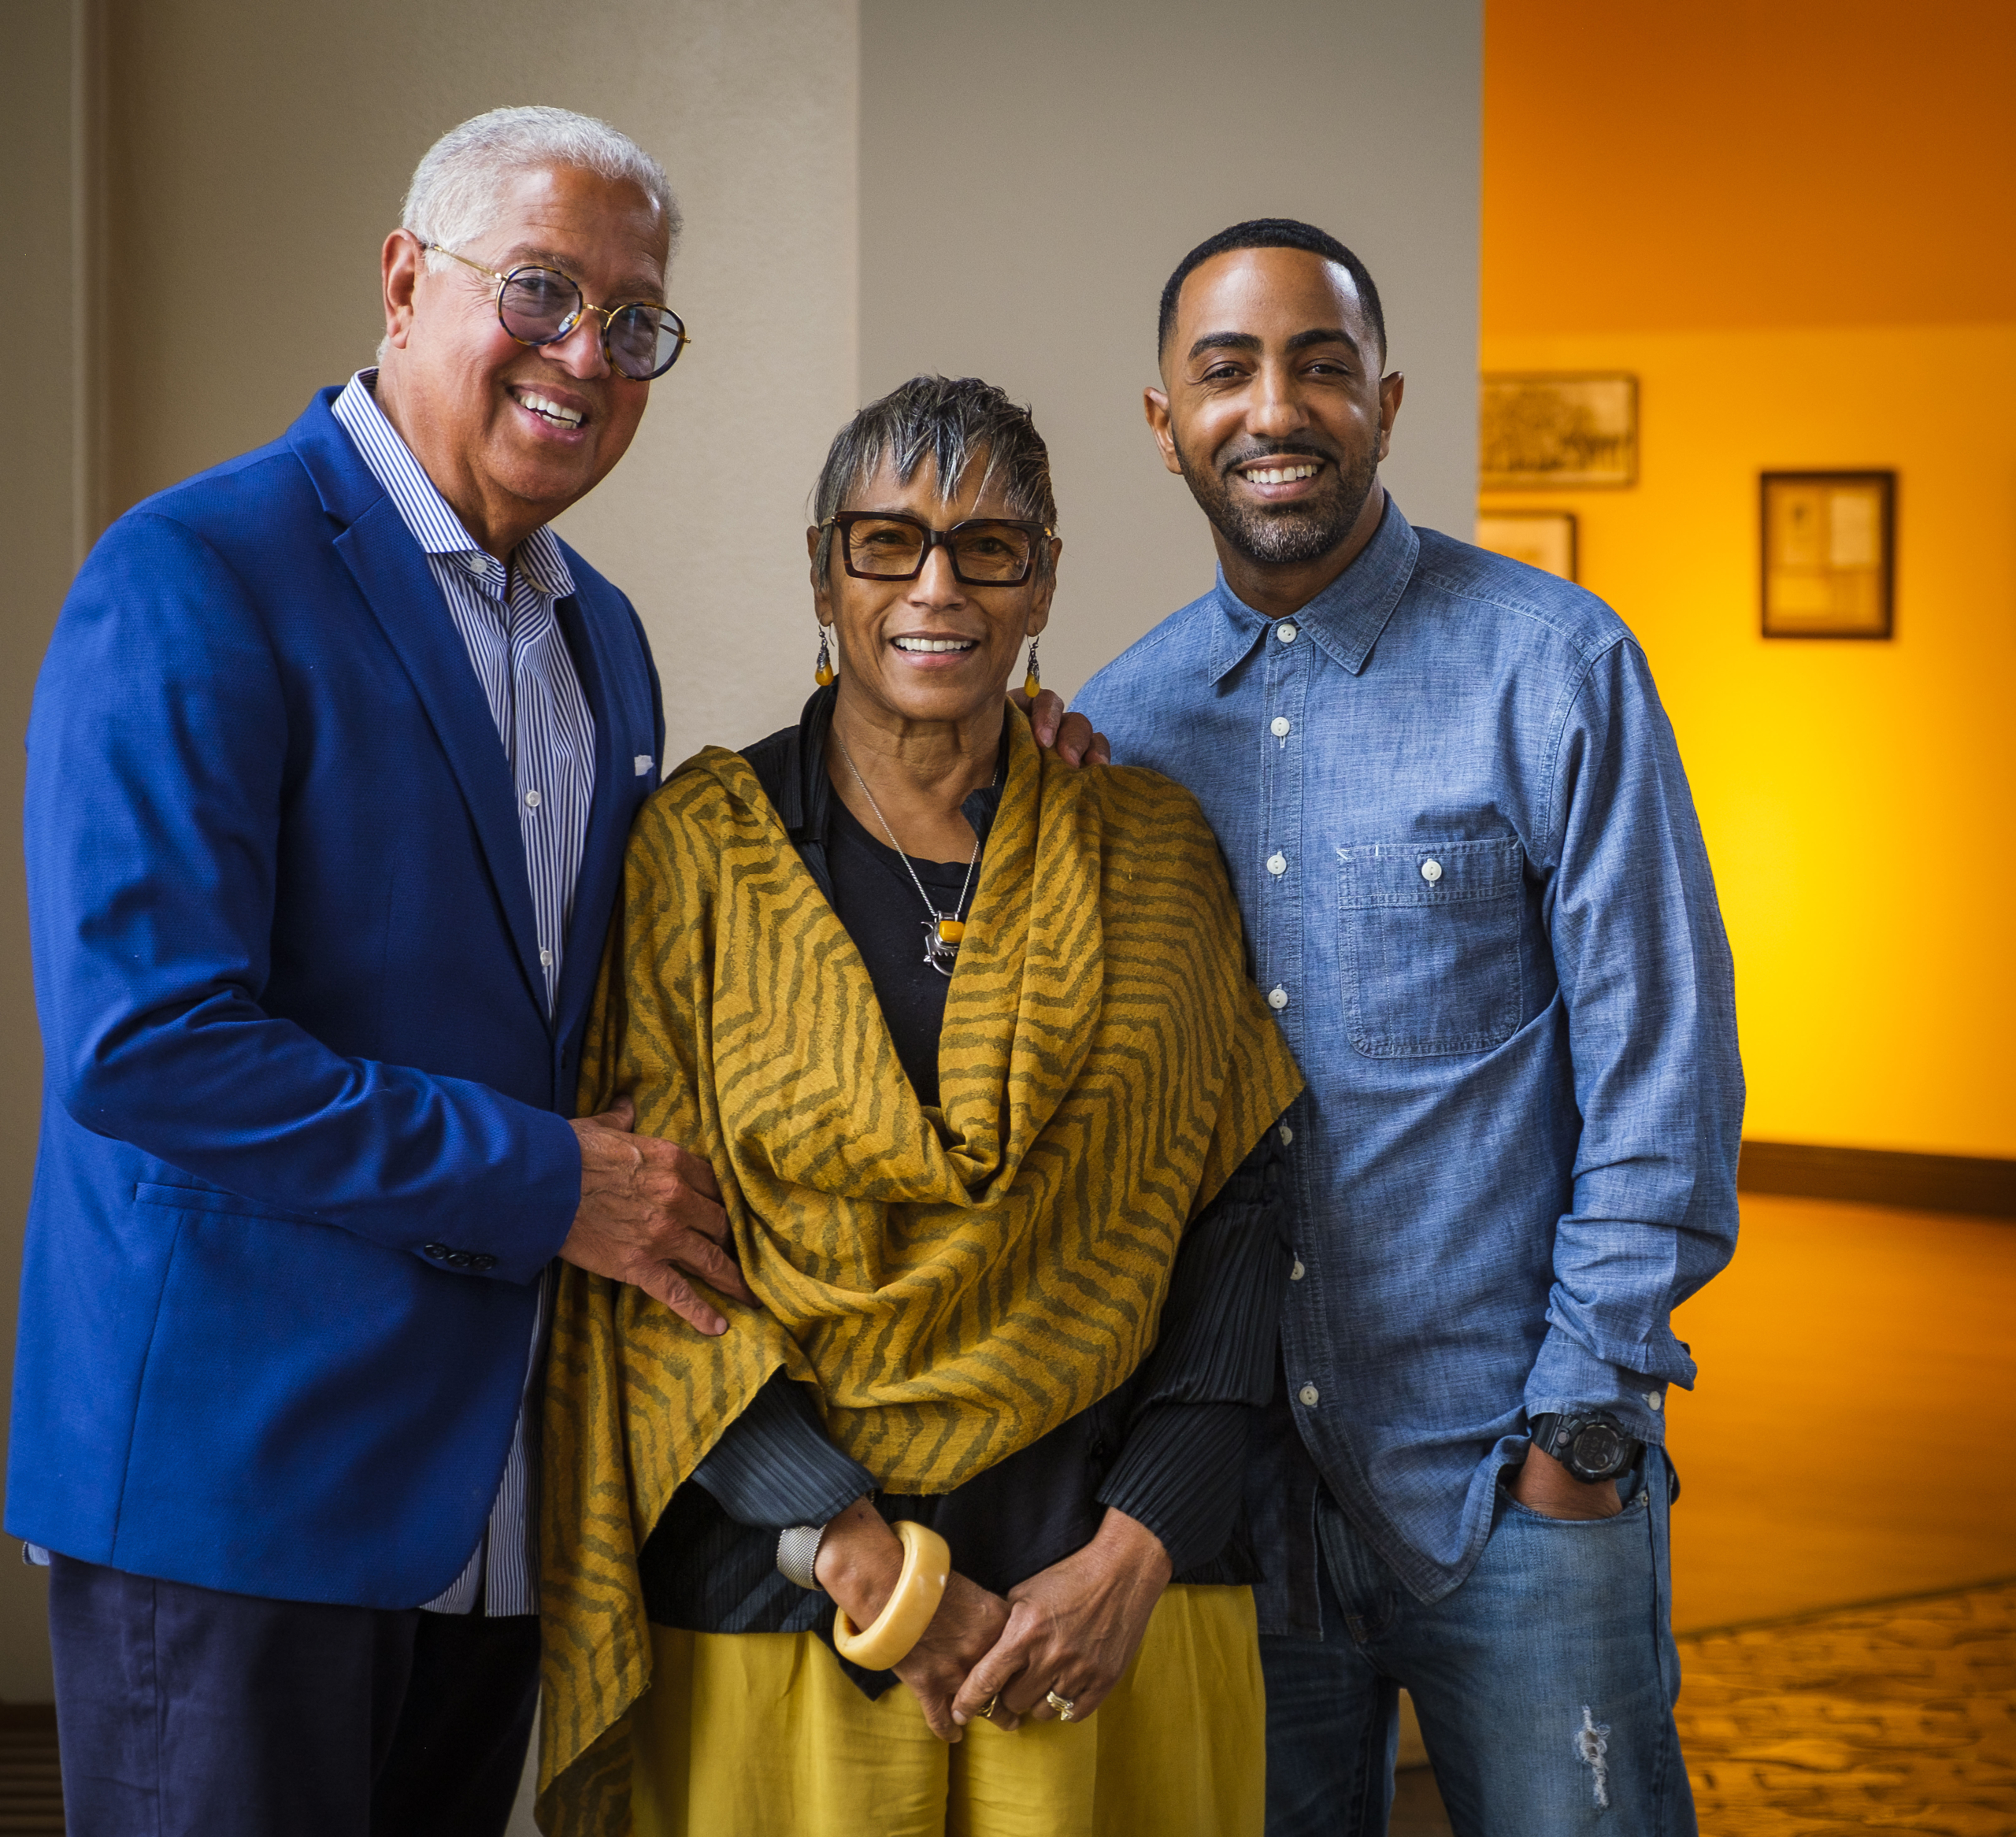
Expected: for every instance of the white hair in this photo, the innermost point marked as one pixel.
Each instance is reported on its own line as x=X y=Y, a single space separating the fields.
x=456 y=194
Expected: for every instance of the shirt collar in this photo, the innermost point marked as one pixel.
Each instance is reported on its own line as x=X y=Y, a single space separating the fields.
x=1345 y=618
x=426 y=514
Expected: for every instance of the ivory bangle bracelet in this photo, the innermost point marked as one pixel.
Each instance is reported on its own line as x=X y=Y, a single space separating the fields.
x=888 y=1640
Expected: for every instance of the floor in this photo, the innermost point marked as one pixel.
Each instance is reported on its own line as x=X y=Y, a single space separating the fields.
x=1845 y=1446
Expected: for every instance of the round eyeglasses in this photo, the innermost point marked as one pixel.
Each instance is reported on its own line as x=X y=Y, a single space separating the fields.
x=984 y=551
x=541 y=305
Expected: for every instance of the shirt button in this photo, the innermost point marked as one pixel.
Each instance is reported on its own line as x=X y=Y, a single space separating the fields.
x=1277 y=998
x=1653 y=1402
x=1431 y=872
x=1308 y=1394
x=1288 y=1135
x=1277 y=864
x=1295 y=1270
x=1285 y=633
x=532 y=801
x=1281 y=727
x=546 y=958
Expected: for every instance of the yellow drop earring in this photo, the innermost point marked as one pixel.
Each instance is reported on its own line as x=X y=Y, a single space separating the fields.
x=822 y=671
x=1033 y=681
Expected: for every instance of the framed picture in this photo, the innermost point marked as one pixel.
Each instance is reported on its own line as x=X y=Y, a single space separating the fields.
x=1541 y=430
x=1829 y=541
x=1541 y=539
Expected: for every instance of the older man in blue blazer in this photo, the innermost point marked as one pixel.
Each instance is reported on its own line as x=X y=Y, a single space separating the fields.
x=330 y=766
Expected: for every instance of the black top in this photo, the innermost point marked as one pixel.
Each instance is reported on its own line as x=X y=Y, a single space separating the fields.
x=1168 y=1447
x=884 y=915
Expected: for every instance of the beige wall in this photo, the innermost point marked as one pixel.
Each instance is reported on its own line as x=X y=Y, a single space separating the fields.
x=1030 y=171
x=254 y=157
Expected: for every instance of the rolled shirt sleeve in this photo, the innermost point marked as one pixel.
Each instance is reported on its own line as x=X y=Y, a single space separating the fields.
x=1645 y=971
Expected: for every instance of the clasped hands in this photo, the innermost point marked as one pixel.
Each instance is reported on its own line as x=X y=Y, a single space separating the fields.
x=1071 y=1629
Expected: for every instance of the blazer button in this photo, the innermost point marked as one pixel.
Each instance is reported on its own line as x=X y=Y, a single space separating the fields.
x=482 y=1260
x=459 y=1259
x=438 y=1252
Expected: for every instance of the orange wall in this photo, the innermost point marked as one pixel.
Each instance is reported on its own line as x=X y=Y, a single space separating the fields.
x=1792 y=226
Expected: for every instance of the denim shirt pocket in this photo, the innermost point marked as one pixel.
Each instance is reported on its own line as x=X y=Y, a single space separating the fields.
x=1429 y=946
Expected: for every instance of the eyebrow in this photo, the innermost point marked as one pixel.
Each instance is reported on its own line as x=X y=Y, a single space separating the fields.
x=1248 y=341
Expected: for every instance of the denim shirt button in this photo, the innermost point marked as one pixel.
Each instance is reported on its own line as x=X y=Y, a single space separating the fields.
x=1431 y=872
x=1653 y=1402
x=1277 y=864
x=1285 y=633
x=1277 y=997
x=1308 y=1394
x=1281 y=727
x=1295 y=1271
x=1286 y=1135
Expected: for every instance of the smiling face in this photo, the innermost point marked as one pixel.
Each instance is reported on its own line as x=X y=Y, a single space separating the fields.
x=512 y=435
x=929 y=652
x=1273 y=410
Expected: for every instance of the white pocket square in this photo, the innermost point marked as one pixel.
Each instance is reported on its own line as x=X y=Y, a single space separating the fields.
x=643 y=762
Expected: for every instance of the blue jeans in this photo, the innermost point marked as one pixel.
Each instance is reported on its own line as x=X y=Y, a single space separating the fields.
x=1545 y=1683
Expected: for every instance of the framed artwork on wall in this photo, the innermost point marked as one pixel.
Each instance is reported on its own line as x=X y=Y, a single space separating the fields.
x=1541 y=539
x=1829 y=540
x=1540 y=430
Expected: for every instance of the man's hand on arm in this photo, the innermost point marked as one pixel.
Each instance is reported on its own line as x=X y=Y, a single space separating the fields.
x=1070 y=733
x=1544 y=1486
x=650 y=1209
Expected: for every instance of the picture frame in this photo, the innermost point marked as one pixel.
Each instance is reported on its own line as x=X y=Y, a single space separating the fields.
x=1542 y=430
x=1828 y=543
x=1541 y=539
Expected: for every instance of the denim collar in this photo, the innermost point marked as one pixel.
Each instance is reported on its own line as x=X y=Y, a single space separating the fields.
x=1345 y=618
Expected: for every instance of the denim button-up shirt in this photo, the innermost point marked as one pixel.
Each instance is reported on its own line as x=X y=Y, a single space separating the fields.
x=1476 y=894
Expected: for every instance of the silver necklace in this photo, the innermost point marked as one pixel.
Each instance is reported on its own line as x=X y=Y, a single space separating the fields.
x=943 y=932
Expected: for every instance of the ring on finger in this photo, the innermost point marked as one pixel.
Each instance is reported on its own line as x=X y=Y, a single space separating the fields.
x=993 y=1702
x=1065 y=1708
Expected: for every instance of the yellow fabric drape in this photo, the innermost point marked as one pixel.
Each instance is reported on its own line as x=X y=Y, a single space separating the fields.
x=749 y=1732
x=952 y=1283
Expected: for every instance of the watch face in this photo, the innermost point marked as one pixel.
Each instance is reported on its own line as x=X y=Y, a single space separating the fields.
x=1599 y=1449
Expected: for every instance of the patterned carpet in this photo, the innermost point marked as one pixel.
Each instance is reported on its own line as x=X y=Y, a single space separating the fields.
x=1899 y=1718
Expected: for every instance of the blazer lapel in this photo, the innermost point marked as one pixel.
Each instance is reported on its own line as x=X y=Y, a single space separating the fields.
x=396 y=584
x=615 y=803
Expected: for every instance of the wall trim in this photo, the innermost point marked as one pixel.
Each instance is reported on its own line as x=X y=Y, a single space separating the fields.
x=1879 y=1177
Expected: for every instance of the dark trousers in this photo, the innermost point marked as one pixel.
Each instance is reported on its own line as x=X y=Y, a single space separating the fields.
x=181 y=1710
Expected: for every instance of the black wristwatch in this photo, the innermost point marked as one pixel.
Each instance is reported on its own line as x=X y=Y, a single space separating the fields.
x=1590 y=1444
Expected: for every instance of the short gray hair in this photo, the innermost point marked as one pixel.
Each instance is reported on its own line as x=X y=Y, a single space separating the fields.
x=953 y=421
x=457 y=193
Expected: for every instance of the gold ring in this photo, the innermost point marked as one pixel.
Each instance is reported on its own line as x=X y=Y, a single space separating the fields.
x=1065 y=1708
x=986 y=1715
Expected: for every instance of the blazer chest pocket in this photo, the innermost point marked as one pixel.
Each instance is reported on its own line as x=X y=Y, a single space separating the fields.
x=1430 y=945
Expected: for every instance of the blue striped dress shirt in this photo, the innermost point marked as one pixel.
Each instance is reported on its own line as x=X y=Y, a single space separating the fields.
x=505 y=618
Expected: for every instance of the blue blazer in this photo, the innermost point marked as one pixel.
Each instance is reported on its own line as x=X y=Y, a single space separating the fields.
x=293 y=1018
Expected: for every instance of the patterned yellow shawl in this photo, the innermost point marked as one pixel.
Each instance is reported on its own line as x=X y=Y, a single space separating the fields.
x=953 y=1283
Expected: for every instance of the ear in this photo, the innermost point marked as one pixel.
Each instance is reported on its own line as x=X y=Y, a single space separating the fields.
x=1046 y=591
x=400 y=264
x=1390 y=389
x=822 y=592
x=1155 y=404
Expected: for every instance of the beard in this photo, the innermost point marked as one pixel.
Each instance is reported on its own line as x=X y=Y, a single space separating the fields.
x=1287 y=535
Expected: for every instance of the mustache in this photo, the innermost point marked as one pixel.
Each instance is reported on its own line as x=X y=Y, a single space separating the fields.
x=1255 y=449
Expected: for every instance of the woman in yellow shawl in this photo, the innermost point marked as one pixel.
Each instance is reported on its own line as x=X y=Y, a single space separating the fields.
x=1011 y=1224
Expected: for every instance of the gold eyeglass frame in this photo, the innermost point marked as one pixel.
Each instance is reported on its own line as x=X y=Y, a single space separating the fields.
x=606 y=314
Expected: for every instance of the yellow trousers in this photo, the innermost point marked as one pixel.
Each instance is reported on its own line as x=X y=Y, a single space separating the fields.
x=761 y=1735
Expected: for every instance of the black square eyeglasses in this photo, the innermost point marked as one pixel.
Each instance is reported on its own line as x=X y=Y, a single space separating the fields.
x=984 y=551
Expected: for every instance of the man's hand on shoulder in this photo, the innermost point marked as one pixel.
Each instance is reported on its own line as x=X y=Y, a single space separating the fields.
x=650 y=1209
x=1070 y=733
x=1544 y=1486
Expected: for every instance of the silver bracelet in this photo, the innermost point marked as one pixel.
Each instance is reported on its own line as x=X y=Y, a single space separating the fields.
x=797 y=1549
